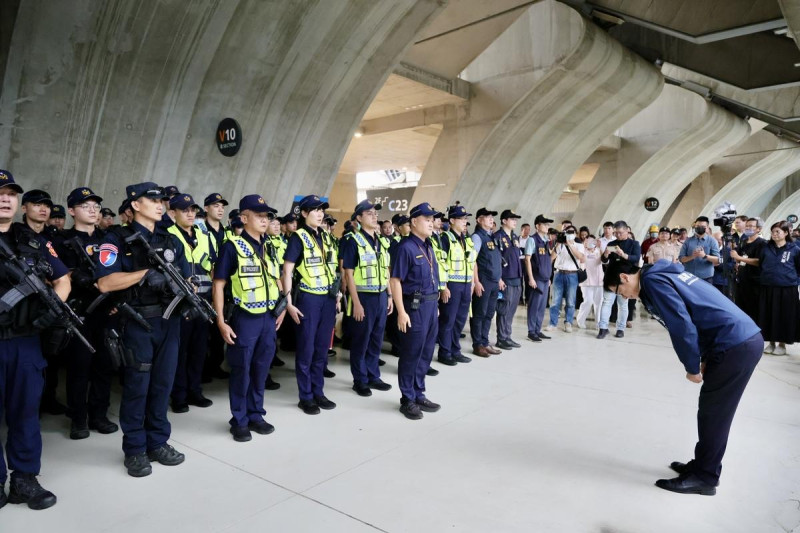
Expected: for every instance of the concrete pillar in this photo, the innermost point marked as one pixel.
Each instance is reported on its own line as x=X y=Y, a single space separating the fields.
x=785 y=203
x=342 y=198
x=547 y=92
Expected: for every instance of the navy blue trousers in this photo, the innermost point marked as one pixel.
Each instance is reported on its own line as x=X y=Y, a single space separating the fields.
x=313 y=341
x=724 y=381
x=452 y=319
x=483 y=308
x=191 y=358
x=250 y=358
x=537 y=305
x=416 y=349
x=367 y=337
x=21 y=383
x=88 y=375
x=145 y=393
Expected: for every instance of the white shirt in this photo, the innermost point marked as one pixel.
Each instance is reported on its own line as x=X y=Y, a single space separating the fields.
x=563 y=259
x=604 y=242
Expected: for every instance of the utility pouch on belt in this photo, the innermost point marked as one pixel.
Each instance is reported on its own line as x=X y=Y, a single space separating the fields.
x=113 y=345
x=416 y=300
x=333 y=290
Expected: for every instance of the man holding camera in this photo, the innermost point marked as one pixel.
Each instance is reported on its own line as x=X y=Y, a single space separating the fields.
x=700 y=253
x=623 y=248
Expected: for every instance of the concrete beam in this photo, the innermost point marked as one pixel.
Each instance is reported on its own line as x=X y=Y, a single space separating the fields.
x=791 y=13
x=409 y=120
x=454 y=86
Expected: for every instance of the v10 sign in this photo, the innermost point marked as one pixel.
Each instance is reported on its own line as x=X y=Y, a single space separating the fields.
x=229 y=137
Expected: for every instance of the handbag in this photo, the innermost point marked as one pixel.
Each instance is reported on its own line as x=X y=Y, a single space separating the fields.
x=582 y=275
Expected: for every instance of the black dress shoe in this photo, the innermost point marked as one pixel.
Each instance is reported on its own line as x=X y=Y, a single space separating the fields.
x=241 y=434
x=462 y=335
x=545 y=337
x=182 y=407
x=331 y=353
x=687 y=484
x=534 y=338
x=309 y=407
x=277 y=361
x=3 y=497
x=447 y=361
x=166 y=455
x=206 y=379
x=602 y=334
x=103 y=425
x=52 y=407
x=138 y=465
x=271 y=384
x=199 y=401
x=432 y=372
x=428 y=406
x=395 y=351
x=328 y=374
x=25 y=488
x=513 y=343
x=411 y=410
x=378 y=384
x=262 y=427
x=460 y=358
x=218 y=373
x=619 y=334
x=78 y=430
x=503 y=345
x=362 y=390
x=324 y=403
x=680 y=468
x=381 y=362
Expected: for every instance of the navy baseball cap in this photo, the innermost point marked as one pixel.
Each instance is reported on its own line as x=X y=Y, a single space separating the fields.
x=484 y=212
x=395 y=217
x=82 y=194
x=541 y=219
x=423 y=210
x=255 y=202
x=508 y=213
x=312 y=201
x=182 y=201
x=148 y=189
x=403 y=219
x=124 y=206
x=233 y=214
x=37 y=196
x=329 y=220
x=213 y=198
x=365 y=205
x=170 y=191
x=58 y=211
x=288 y=217
x=7 y=180
x=237 y=222
x=457 y=211
x=106 y=212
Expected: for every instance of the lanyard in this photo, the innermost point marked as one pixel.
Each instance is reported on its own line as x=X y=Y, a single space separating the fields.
x=430 y=263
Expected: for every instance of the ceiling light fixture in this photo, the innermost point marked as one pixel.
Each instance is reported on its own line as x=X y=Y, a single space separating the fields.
x=359 y=132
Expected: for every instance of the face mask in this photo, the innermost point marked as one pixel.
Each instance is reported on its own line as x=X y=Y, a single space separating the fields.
x=590 y=246
x=749 y=232
x=700 y=230
x=570 y=236
x=654 y=235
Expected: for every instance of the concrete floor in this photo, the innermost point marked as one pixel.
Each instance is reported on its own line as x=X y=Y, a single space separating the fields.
x=567 y=435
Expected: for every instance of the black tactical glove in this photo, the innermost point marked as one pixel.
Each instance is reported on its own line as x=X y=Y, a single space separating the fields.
x=155 y=280
x=81 y=279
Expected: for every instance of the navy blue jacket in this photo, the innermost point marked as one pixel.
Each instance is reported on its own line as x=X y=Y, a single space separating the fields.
x=780 y=267
x=699 y=318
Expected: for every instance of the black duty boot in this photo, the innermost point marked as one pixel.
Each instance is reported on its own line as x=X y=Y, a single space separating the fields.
x=25 y=488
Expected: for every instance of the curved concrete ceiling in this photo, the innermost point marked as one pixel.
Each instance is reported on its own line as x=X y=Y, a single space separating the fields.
x=791 y=12
x=673 y=167
x=751 y=184
x=530 y=155
x=110 y=93
x=790 y=206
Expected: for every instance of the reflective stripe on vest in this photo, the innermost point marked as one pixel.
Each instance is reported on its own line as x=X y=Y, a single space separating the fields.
x=459 y=265
x=198 y=257
x=372 y=272
x=441 y=259
x=315 y=274
x=253 y=289
x=280 y=247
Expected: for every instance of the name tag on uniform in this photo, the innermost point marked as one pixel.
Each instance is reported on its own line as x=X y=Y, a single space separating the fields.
x=368 y=257
x=255 y=269
x=312 y=261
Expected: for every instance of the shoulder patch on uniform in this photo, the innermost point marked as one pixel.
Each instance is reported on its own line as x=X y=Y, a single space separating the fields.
x=51 y=249
x=108 y=254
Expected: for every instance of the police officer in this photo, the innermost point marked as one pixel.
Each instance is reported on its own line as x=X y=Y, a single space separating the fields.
x=201 y=256
x=254 y=277
x=314 y=307
x=151 y=356
x=106 y=219
x=21 y=360
x=415 y=290
x=170 y=191
x=275 y=248
x=718 y=344
x=508 y=241
x=88 y=375
x=58 y=217
x=365 y=259
x=402 y=224
x=486 y=284
x=36 y=208
x=539 y=267
x=331 y=242
x=214 y=205
x=125 y=213
x=459 y=252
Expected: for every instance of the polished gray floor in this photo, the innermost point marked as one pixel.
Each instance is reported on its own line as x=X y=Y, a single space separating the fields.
x=567 y=435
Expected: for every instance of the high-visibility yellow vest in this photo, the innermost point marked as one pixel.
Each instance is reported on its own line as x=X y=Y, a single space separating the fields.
x=460 y=262
x=372 y=272
x=331 y=243
x=280 y=247
x=198 y=257
x=316 y=275
x=254 y=285
x=441 y=260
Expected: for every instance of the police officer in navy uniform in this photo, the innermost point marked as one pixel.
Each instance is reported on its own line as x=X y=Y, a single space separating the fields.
x=170 y=192
x=58 y=217
x=314 y=305
x=214 y=205
x=508 y=242
x=89 y=375
x=151 y=356
x=487 y=283
x=459 y=253
x=365 y=259
x=254 y=277
x=201 y=255
x=718 y=344
x=415 y=290
x=21 y=360
x=401 y=222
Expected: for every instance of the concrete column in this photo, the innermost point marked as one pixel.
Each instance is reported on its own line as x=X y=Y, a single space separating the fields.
x=342 y=198
x=547 y=92
x=785 y=203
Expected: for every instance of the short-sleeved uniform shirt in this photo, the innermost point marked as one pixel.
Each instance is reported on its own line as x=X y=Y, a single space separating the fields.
x=49 y=253
x=294 y=248
x=414 y=264
x=348 y=249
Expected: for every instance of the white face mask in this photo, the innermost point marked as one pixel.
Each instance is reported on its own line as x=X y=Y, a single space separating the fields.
x=570 y=236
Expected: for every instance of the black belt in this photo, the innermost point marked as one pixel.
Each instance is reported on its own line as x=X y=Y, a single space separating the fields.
x=149 y=311
x=566 y=271
x=423 y=297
